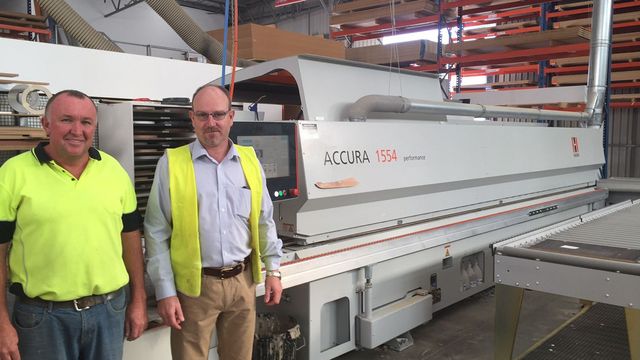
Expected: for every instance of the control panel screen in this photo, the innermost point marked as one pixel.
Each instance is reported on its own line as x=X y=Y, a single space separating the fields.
x=272 y=151
x=275 y=146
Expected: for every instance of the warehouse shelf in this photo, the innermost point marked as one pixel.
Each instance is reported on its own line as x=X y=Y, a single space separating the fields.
x=20 y=25
x=366 y=19
x=484 y=9
x=376 y=31
x=499 y=53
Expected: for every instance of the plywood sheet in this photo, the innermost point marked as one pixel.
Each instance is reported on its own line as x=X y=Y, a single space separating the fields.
x=8 y=81
x=14 y=145
x=423 y=7
x=583 y=60
x=633 y=36
x=582 y=78
x=359 y=5
x=20 y=132
x=635 y=96
x=501 y=84
x=19 y=15
x=635 y=15
x=418 y=51
x=258 y=42
x=531 y=40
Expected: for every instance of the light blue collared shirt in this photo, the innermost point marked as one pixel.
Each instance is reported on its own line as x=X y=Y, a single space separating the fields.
x=224 y=204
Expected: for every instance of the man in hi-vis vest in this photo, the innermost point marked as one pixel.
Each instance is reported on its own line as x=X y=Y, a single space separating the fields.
x=207 y=226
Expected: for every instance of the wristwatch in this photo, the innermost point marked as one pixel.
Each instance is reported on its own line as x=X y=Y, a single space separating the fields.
x=274 y=273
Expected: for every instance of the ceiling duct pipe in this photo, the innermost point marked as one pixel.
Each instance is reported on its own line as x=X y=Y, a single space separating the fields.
x=75 y=26
x=596 y=87
x=601 y=20
x=191 y=32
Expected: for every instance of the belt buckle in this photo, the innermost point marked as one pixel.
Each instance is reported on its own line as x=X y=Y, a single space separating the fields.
x=75 y=305
x=224 y=270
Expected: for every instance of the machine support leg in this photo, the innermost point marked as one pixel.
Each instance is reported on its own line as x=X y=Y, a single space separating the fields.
x=508 y=304
x=633 y=331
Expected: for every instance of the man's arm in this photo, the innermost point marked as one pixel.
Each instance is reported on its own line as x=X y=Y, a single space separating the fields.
x=8 y=335
x=270 y=247
x=136 y=319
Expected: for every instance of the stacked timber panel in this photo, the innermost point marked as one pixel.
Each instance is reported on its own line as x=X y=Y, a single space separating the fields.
x=417 y=52
x=261 y=43
x=362 y=13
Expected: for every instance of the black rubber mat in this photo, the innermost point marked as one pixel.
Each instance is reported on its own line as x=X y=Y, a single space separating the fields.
x=599 y=333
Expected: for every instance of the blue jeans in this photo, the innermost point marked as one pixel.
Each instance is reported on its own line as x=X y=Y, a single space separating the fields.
x=67 y=334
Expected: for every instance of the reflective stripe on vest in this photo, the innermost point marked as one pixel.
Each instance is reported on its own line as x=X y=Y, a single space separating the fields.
x=185 y=240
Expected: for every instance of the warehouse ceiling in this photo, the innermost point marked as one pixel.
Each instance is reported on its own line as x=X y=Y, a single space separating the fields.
x=258 y=11
x=250 y=11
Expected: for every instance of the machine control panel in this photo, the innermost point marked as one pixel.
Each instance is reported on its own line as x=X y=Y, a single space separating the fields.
x=275 y=146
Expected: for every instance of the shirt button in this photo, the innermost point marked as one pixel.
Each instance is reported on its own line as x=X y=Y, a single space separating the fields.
x=224 y=232
x=223 y=210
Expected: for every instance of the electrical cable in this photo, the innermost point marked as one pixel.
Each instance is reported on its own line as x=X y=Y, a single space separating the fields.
x=235 y=48
x=224 y=43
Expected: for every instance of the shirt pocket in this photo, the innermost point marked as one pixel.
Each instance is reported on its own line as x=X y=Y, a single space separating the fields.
x=241 y=202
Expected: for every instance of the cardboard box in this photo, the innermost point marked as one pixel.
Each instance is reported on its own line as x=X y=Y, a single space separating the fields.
x=419 y=51
x=258 y=42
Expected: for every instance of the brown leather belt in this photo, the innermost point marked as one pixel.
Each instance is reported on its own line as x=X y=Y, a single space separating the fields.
x=80 y=304
x=227 y=271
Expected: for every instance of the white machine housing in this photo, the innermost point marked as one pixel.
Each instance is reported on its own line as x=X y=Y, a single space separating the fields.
x=405 y=168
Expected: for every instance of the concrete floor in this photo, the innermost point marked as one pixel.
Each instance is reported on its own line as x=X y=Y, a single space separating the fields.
x=465 y=330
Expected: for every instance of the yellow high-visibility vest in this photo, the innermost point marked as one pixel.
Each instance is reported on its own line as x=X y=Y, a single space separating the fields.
x=185 y=240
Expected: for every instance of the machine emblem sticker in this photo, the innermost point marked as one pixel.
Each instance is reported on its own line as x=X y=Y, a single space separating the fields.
x=575 y=146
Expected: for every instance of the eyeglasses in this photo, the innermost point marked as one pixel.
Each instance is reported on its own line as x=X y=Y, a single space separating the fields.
x=216 y=115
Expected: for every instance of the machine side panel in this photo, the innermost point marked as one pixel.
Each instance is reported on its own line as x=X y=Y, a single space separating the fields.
x=359 y=174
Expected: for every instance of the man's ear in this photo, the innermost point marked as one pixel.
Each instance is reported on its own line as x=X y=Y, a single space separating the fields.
x=45 y=124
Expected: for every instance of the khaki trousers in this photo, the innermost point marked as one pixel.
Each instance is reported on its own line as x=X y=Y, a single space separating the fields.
x=228 y=306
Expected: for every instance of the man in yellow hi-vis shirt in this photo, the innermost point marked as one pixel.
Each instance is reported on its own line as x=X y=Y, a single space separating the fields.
x=69 y=212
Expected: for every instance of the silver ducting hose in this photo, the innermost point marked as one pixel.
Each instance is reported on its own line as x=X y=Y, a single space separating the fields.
x=398 y=104
x=601 y=20
x=377 y=103
x=76 y=26
x=191 y=33
x=596 y=87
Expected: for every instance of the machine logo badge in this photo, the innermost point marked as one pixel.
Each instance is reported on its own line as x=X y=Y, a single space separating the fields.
x=575 y=146
x=346 y=157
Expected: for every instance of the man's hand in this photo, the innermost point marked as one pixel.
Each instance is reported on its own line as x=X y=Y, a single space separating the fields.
x=136 y=319
x=171 y=312
x=8 y=342
x=272 y=290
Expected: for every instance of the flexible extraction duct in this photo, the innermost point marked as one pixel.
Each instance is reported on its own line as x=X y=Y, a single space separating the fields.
x=191 y=33
x=596 y=87
x=75 y=26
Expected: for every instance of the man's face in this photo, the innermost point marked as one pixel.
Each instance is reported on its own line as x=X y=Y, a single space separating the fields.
x=70 y=124
x=212 y=118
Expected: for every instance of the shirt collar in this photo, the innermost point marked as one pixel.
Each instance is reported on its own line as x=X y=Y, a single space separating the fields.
x=198 y=151
x=44 y=158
